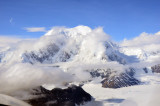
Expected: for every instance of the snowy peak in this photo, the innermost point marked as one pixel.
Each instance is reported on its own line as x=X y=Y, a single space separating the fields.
x=75 y=44
x=79 y=44
x=79 y=30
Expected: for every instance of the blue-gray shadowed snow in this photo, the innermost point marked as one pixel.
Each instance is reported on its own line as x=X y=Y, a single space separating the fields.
x=65 y=56
x=115 y=100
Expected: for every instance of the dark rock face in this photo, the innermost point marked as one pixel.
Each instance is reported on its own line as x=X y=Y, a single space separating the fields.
x=145 y=70
x=112 y=79
x=3 y=105
x=156 y=68
x=50 y=54
x=42 y=55
x=60 y=97
x=115 y=57
x=118 y=81
x=101 y=73
x=1 y=56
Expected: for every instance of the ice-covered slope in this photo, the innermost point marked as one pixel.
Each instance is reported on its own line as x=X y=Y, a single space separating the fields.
x=140 y=53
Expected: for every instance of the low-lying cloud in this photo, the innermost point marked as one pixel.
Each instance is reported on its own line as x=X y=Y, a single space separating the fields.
x=6 y=41
x=21 y=76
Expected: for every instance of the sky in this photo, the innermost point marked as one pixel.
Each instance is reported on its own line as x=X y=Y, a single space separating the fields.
x=120 y=18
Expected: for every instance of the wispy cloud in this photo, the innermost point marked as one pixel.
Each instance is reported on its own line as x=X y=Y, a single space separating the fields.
x=35 y=29
x=11 y=20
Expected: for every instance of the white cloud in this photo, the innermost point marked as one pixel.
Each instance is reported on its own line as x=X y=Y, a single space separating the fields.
x=6 y=41
x=25 y=76
x=35 y=29
x=145 y=41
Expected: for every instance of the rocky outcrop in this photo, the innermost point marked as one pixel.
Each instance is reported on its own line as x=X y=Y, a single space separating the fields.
x=42 y=55
x=118 y=81
x=145 y=70
x=71 y=96
x=156 y=68
x=113 y=79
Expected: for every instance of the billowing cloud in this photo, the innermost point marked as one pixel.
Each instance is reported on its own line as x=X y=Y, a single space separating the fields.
x=145 y=41
x=35 y=29
x=23 y=76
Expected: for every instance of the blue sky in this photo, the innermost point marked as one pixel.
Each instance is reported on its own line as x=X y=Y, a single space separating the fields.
x=120 y=18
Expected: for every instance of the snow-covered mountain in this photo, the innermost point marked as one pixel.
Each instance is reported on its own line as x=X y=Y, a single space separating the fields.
x=140 y=53
x=78 y=55
x=69 y=44
x=146 y=47
x=70 y=48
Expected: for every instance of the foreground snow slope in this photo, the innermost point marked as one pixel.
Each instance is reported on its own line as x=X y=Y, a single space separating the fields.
x=140 y=95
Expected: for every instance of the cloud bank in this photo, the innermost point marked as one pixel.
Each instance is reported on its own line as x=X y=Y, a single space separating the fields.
x=6 y=41
x=145 y=41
